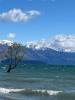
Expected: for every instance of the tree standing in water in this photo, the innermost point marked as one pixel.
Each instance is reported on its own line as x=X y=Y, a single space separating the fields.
x=14 y=55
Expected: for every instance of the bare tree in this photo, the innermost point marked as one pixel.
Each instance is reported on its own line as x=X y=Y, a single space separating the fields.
x=14 y=54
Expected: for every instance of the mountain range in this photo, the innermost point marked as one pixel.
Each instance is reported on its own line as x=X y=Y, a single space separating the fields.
x=42 y=52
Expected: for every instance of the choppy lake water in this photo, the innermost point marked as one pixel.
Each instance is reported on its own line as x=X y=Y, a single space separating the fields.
x=38 y=82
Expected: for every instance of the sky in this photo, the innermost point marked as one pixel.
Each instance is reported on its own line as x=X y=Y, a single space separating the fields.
x=27 y=20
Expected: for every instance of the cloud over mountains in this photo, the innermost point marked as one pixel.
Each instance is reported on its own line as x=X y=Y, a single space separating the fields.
x=64 y=43
x=18 y=15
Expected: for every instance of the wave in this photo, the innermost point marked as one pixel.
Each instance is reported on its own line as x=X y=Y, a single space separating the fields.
x=29 y=91
x=5 y=90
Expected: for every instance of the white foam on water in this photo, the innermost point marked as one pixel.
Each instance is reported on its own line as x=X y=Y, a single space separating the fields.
x=5 y=90
x=48 y=92
x=51 y=92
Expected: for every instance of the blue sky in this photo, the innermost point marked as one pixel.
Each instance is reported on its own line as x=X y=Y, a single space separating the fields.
x=37 y=19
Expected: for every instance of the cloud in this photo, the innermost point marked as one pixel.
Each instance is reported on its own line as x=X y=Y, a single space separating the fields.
x=64 y=43
x=11 y=36
x=18 y=15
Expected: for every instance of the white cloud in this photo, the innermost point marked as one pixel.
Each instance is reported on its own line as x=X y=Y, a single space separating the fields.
x=11 y=36
x=17 y=15
x=64 y=43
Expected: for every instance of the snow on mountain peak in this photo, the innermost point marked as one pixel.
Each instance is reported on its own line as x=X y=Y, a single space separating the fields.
x=8 y=42
x=42 y=44
x=65 y=43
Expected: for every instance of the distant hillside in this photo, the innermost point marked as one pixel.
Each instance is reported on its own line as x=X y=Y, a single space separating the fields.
x=50 y=56
x=42 y=55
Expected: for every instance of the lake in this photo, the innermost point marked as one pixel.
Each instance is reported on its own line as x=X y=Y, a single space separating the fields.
x=38 y=82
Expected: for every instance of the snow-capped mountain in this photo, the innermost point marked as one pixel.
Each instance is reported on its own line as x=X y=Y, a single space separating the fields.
x=42 y=44
x=4 y=42
x=58 y=51
x=59 y=43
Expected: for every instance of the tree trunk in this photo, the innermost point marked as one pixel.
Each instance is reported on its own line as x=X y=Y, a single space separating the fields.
x=9 y=69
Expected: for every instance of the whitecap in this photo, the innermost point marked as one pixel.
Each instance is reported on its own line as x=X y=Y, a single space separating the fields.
x=30 y=91
x=5 y=90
